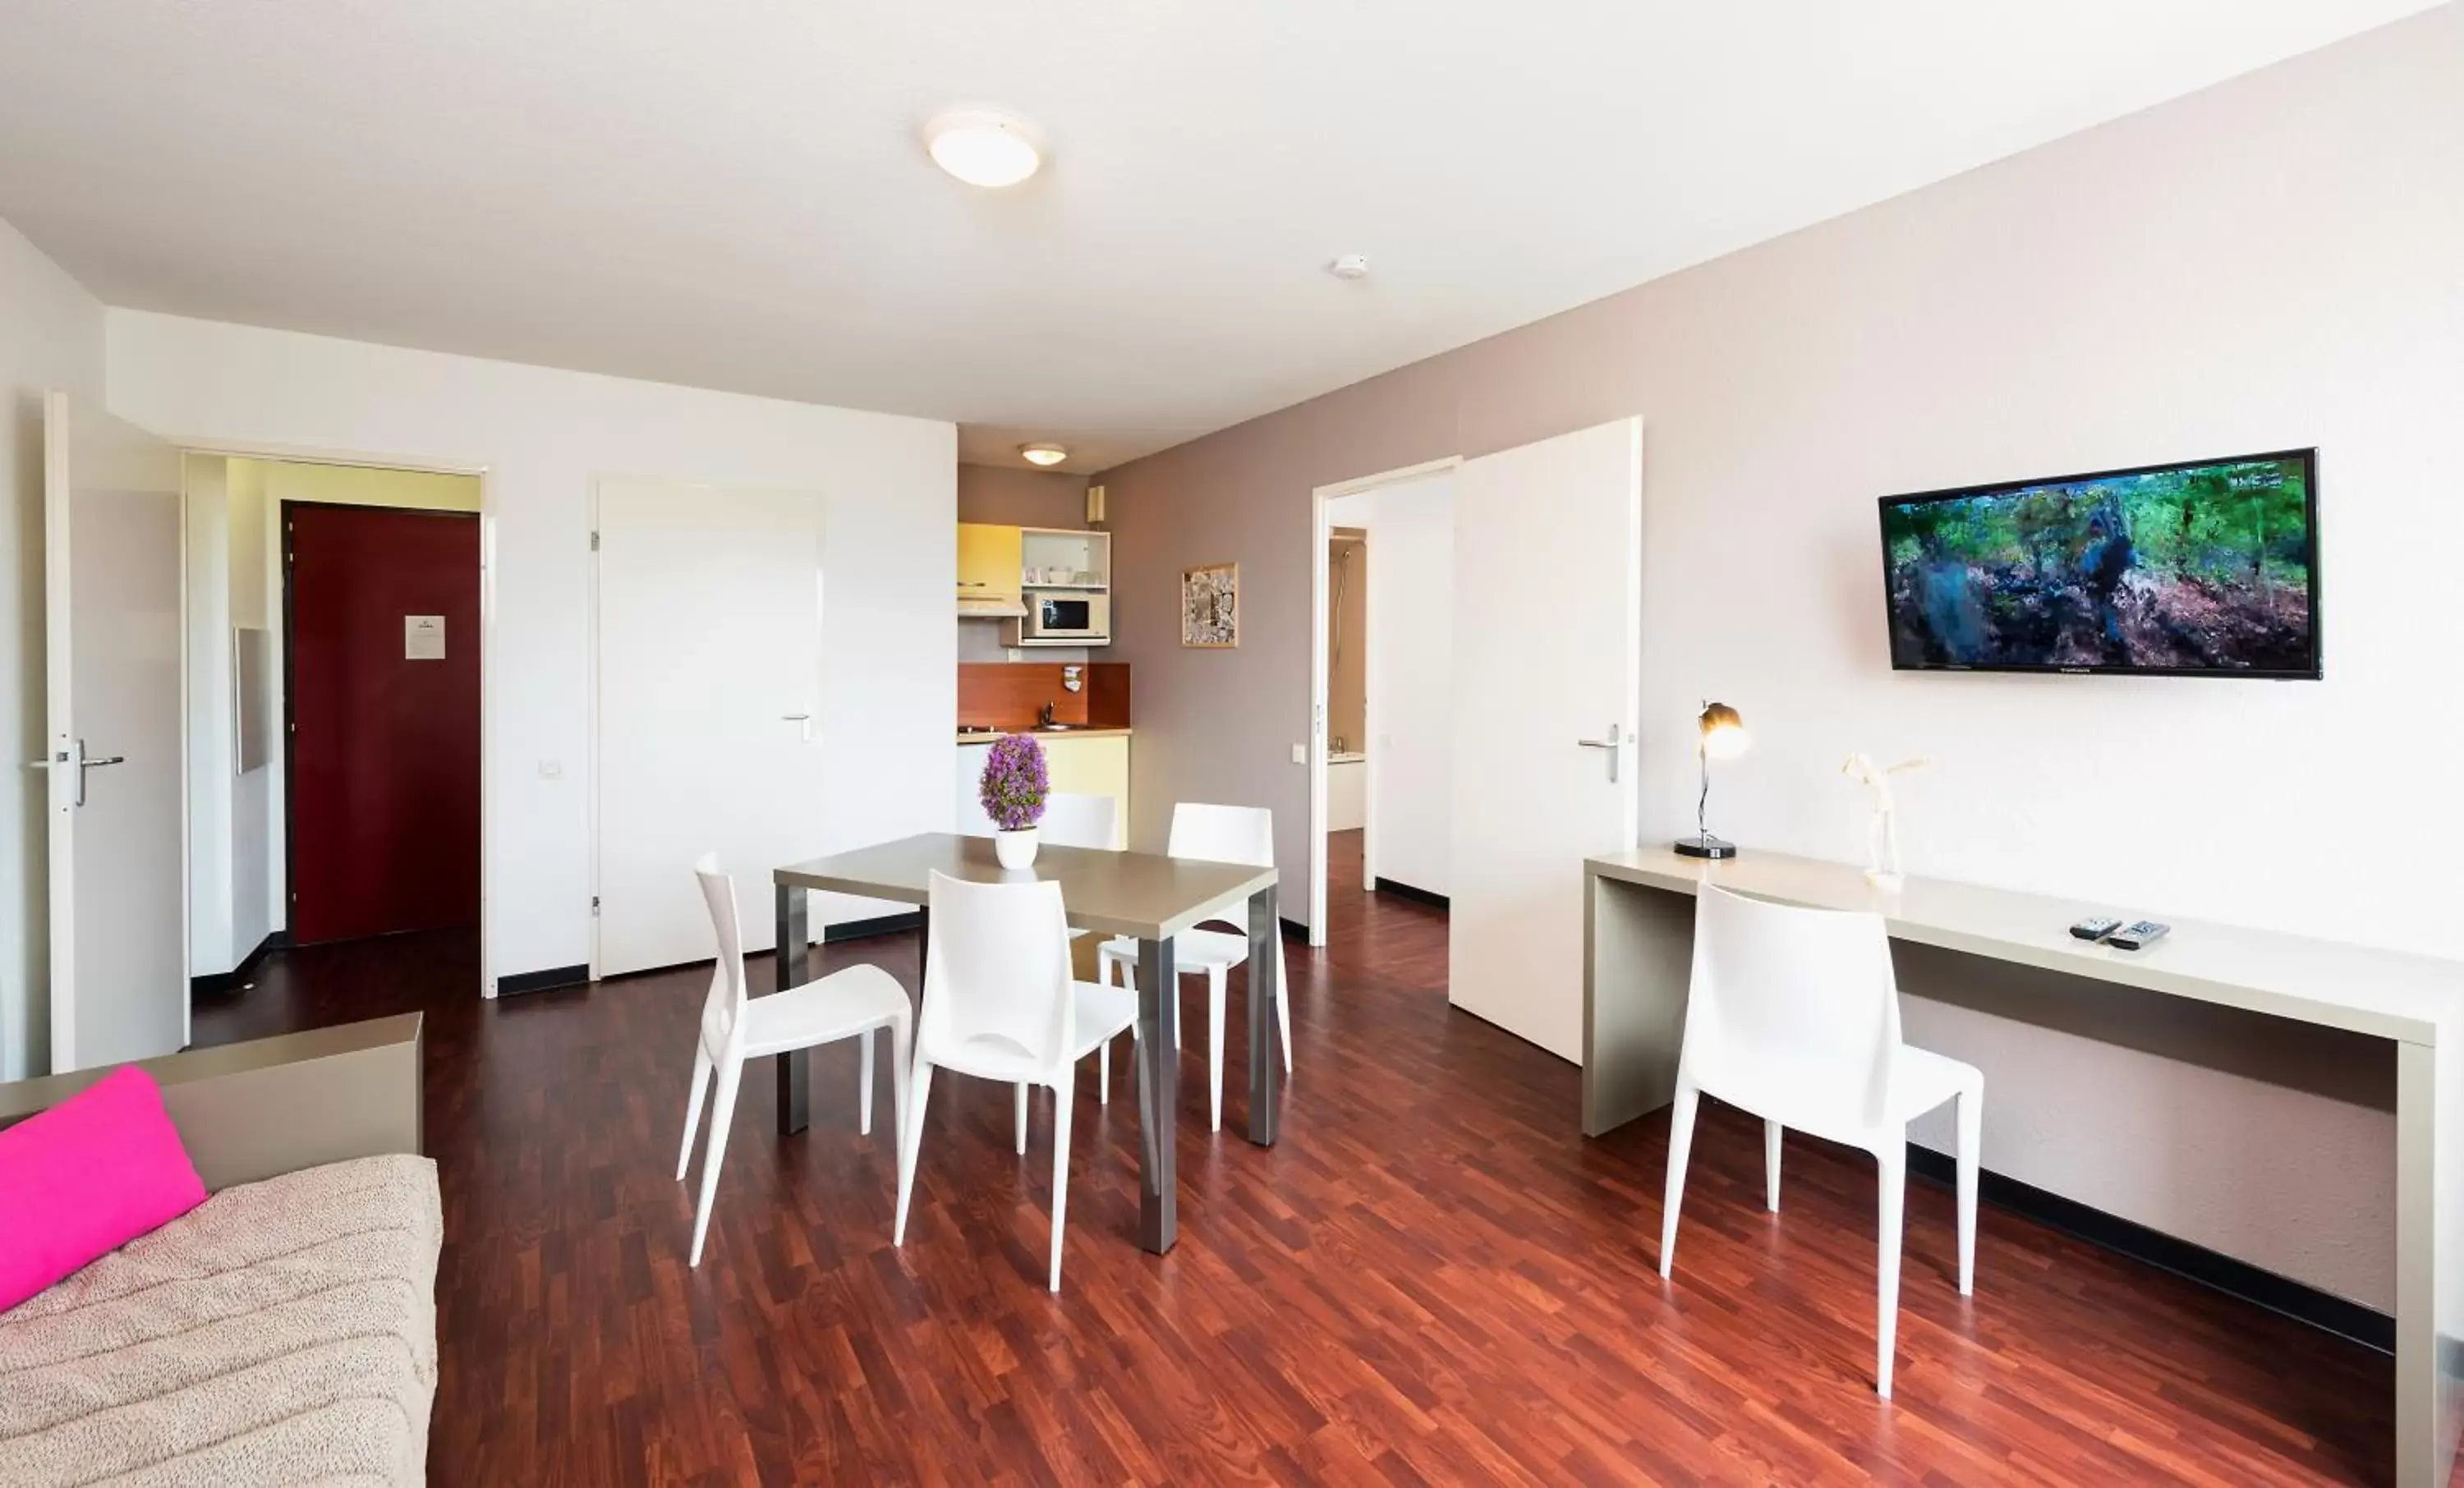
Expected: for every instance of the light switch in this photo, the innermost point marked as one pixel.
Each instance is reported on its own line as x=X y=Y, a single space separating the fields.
x=551 y=769
x=1300 y=754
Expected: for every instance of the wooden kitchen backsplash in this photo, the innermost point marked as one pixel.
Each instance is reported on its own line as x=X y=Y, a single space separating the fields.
x=1012 y=694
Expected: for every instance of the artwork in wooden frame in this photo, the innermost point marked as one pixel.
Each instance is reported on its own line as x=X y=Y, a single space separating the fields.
x=1210 y=606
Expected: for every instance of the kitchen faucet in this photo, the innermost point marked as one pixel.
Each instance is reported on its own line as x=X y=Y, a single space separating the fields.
x=1044 y=718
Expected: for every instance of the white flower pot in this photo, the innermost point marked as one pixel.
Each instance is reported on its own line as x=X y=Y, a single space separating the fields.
x=1015 y=849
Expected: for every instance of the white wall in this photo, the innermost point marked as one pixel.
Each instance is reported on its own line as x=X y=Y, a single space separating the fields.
x=543 y=435
x=1412 y=700
x=1410 y=576
x=2272 y=262
x=207 y=482
x=51 y=337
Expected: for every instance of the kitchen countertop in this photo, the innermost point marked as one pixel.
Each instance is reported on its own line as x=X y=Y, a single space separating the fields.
x=1075 y=732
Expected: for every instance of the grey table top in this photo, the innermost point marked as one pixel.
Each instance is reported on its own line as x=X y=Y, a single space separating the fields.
x=1143 y=895
x=2386 y=993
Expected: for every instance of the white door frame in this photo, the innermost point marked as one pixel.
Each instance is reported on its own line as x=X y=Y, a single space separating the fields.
x=299 y=455
x=1321 y=531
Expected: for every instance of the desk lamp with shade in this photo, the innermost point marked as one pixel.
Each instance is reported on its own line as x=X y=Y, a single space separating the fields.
x=1722 y=735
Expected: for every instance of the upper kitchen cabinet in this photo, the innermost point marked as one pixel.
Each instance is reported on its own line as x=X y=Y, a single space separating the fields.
x=991 y=560
x=1060 y=557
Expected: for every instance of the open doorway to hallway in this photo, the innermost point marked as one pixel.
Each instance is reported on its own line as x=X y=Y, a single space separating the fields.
x=334 y=683
x=1386 y=658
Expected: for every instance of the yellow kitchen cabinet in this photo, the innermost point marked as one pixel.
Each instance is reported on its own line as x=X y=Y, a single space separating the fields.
x=990 y=560
x=1096 y=764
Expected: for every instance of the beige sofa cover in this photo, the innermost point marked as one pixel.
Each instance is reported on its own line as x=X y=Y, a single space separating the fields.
x=281 y=1333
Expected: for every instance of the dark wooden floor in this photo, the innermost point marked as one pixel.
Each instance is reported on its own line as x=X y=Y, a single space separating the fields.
x=1432 y=1278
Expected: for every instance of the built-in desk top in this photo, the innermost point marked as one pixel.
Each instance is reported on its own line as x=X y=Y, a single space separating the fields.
x=2385 y=994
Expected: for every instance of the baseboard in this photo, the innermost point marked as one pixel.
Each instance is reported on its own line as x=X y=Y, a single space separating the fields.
x=861 y=929
x=1388 y=885
x=2238 y=1279
x=544 y=980
x=216 y=983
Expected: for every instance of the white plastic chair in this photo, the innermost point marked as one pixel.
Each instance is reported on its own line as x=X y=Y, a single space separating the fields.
x=1218 y=834
x=736 y=1026
x=1794 y=1015
x=1073 y=819
x=999 y=1003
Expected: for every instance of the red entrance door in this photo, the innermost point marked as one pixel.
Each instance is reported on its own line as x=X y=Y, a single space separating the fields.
x=384 y=692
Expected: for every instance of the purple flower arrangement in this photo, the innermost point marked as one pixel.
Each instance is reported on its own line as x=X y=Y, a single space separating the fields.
x=1014 y=783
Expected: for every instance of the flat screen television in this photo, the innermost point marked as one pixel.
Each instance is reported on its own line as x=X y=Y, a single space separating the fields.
x=2204 y=568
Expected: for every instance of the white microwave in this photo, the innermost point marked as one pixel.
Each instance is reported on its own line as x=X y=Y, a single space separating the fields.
x=1065 y=618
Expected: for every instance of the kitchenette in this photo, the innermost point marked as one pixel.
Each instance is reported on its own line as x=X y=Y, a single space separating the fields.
x=1034 y=606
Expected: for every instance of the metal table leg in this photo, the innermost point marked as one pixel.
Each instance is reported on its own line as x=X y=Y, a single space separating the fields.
x=796 y=1066
x=1158 y=1096
x=1265 y=985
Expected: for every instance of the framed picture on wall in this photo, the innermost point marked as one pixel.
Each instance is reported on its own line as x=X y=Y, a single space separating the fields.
x=1210 y=606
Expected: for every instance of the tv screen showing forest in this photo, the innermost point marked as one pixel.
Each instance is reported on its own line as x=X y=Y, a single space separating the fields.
x=2182 y=568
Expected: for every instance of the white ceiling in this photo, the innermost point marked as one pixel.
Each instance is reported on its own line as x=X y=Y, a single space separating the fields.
x=732 y=193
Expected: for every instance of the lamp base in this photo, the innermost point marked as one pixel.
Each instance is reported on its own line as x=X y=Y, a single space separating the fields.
x=1706 y=845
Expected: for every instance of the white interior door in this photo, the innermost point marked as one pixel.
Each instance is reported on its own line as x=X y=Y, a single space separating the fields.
x=112 y=605
x=709 y=702
x=1546 y=635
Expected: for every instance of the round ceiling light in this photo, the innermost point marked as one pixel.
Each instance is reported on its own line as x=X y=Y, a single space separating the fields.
x=1044 y=454
x=983 y=148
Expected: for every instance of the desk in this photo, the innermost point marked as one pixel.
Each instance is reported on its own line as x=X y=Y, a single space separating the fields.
x=1149 y=898
x=1637 y=946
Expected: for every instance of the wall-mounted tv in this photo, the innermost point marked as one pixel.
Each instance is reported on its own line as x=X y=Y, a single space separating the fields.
x=2204 y=568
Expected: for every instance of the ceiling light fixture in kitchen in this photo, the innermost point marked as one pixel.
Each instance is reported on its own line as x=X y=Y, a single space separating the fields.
x=1044 y=454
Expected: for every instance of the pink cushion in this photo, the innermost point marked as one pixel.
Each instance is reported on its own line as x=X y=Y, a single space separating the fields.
x=87 y=1176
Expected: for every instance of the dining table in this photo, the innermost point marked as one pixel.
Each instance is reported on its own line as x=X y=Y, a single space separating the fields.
x=1146 y=897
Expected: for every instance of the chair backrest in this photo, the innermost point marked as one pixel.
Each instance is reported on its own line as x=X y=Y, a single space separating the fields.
x=1793 y=1014
x=997 y=973
x=1073 y=819
x=722 y=1012
x=1223 y=834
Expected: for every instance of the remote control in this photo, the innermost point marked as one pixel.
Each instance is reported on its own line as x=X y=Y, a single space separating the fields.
x=2096 y=926
x=2138 y=936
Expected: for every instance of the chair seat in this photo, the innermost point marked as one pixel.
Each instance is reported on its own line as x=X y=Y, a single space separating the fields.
x=1102 y=1013
x=1921 y=1080
x=1192 y=950
x=843 y=1003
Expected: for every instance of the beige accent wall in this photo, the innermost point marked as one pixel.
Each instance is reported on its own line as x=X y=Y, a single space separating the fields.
x=1017 y=496
x=1347 y=609
x=2274 y=261
x=355 y=485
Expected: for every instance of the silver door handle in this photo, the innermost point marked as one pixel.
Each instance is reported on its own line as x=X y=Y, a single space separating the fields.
x=1614 y=744
x=794 y=718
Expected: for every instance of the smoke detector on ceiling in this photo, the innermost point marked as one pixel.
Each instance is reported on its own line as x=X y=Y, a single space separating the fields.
x=1350 y=266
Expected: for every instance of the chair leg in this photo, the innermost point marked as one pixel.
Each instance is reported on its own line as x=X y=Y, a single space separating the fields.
x=1104 y=1073
x=693 y=1107
x=1681 y=1142
x=863 y=1083
x=911 y=1137
x=722 y=1115
x=1215 y=979
x=900 y=1077
x=1771 y=1165
x=1018 y=1119
x=1972 y=1153
x=1894 y=1177
x=1064 y=1097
